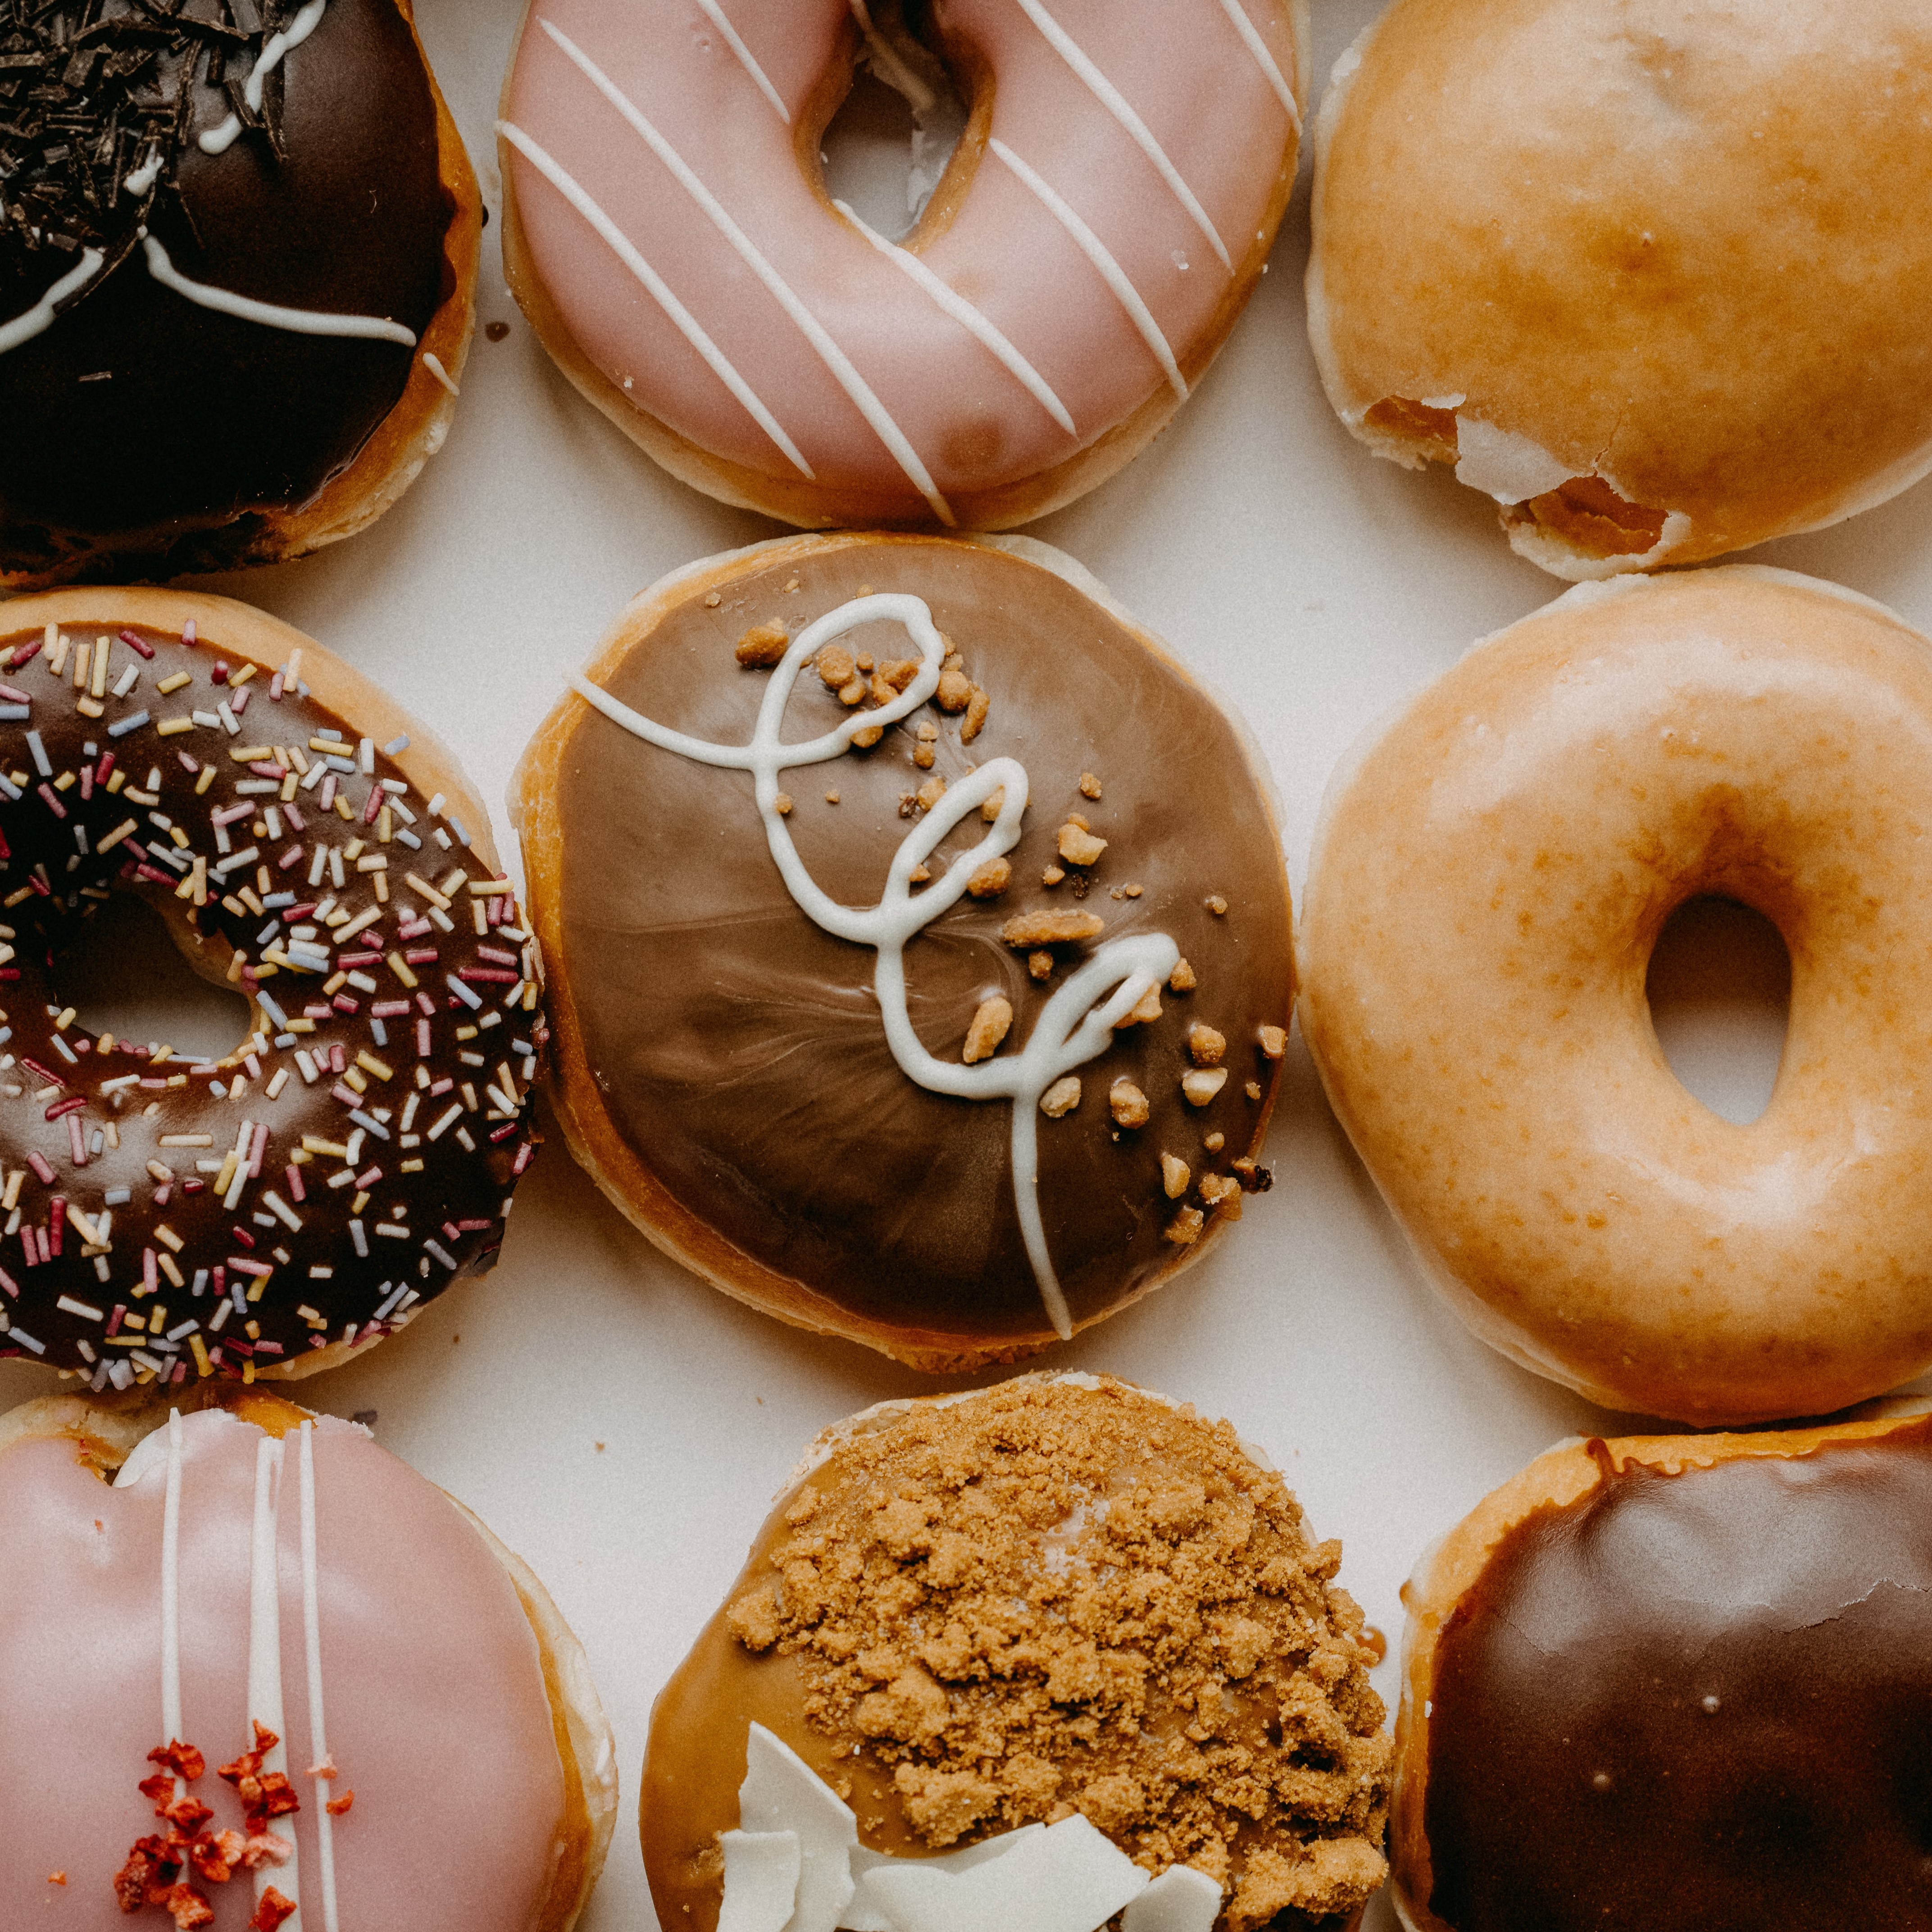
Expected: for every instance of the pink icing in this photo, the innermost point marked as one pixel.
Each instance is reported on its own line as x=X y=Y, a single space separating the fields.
x=1183 y=66
x=437 y=1717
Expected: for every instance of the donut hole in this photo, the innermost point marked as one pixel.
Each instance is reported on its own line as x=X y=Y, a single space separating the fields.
x=126 y=974
x=1719 y=986
x=887 y=149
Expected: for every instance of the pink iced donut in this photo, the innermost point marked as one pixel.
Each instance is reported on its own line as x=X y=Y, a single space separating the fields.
x=1108 y=211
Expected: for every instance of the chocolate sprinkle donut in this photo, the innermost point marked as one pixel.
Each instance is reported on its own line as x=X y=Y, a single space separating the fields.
x=166 y=1216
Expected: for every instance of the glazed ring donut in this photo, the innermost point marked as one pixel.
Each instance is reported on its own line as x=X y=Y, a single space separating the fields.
x=267 y=1636
x=1489 y=878
x=943 y=1010
x=1062 y=1599
x=264 y=1213
x=1649 y=275
x=1661 y=1683
x=236 y=270
x=669 y=232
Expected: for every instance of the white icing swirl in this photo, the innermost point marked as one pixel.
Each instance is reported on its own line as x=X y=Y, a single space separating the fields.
x=274 y=49
x=40 y=316
x=270 y=315
x=1078 y=1022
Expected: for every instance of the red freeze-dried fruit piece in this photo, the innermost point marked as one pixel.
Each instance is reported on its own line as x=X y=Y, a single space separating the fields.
x=264 y=1848
x=190 y=1910
x=130 y=1882
x=271 y=1910
x=184 y=1760
x=248 y=1766
x=277 y=1798
x=216 y=1855
x=186 y=1815
x=337 y=1806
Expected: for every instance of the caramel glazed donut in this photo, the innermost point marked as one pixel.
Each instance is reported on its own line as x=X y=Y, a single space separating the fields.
x=1489 y=876
x=1032 y=1656
x=243 y=1647
x=1665 y=1683
x=870 y=1071
x=238 y=246
x=1108 y=210
x=267 y=1212
x=1647 y=274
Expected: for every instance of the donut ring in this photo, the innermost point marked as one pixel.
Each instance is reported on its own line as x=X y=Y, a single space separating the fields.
x=1109 y=209
x=221 y=344
x=356 y=1152
x=959 y=1031
x=1555 y=245
x=1489 y=879
x=183 y=1579
x=1664 y=1682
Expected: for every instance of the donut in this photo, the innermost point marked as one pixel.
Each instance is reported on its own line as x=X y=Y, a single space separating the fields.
x=668 y=231
x=1489 y=875
x=243 y=1646
x=168 y=1217
x=1026 y=1656
x=917 y=937
x=1664 y=1683
x=1647 y=275
x=238 y=248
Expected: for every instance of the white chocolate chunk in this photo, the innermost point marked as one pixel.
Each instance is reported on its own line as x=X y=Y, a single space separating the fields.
x=1181 y=1900
x=761 y=1871
x=781 y=1793
x=865 y=1914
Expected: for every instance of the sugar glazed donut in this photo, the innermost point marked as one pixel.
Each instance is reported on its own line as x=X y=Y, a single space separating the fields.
x=1109 y=209
x=1488 y=880
x=243 y=1648
x=918 y=940
x=1645 y=274
x=1663 y=1683
x=1029 y=1656
x=173 y=1217
x=237 y=251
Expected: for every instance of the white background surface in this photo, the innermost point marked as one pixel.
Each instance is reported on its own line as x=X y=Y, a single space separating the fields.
x=623 y=1425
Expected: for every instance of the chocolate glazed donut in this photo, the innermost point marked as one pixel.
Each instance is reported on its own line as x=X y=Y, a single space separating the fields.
x=173 y=1217
x=236 y=261
x=729 y=1068
x=1666 y=1684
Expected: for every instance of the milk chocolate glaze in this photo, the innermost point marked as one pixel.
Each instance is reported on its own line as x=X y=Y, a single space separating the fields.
x=739 y=1048
x=141 y=429
x=1697 y=1703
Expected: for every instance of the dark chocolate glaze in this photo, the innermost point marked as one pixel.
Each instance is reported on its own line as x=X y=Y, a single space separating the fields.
x=451 y=1217
x=146 y=432
x=1581 y=1778
x=739 y=1048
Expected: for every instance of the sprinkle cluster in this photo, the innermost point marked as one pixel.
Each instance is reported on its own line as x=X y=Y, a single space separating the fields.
x=273 y=1200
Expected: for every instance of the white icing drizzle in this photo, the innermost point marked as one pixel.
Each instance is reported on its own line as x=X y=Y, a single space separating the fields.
x=963 y=312
x=747 y=59
x=1251 y=38
x=1111 y=98
x=433 y=364
x=171 y=1685
x=1110 y=272
x=324 y=1824
x=828 y=352
x=24 y=327
x=1071 y=1030
x=265 y=1642
x=218 y=140
x=687 y=324
x=143 y=177
x=270 y=315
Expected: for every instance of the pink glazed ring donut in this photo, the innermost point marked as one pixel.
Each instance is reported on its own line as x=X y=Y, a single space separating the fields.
x=1108 y=210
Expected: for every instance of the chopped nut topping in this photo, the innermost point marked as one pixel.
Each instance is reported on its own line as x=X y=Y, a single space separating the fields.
x=1255 y=1179
x=853 y=693
x=977 y=706
x=928 y=732
x=831 y=798
x=1078 y=846
x=990 y=810
x=792 y=588
x=1217 y=905
x=1040 y=965
x=1253 y=1089
x=1203 y=1084
x=1062 y=1097
x=1204 y=1045
x=1182 y=978
x=952 y=661
x=990 y=1026
x=896 y=674
x=762 y=646
x=864 y=590
x=1146 y=1010
x=1174 y=1176
x=1215 y=1142
x=1053 y=875
x=1128 y=1104
x=868 y=736
x=1027 y=929
x=1274 y=1041
x=864 y=661
x=1133 y=892
x=918 y=876
x=785 y=804
x=1090 y=786
x=1184 y=1230
x=990 y=880
x=1224 y=1192
x=922 y=756
x=711 y=602
x=932 y=792
x=835 y=667
x=956 y=688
